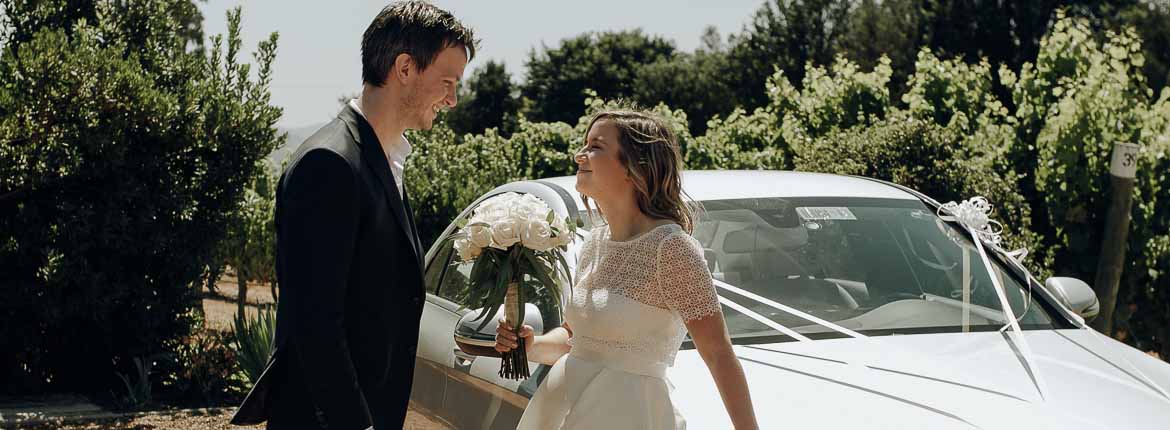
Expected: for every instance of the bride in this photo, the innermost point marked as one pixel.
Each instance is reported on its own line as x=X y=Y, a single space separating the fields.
x=642 y=284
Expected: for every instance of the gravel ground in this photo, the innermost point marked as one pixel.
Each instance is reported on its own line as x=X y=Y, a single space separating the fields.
x=195 y=420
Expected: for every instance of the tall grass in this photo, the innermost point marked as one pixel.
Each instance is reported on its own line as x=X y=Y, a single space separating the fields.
x=254 y=341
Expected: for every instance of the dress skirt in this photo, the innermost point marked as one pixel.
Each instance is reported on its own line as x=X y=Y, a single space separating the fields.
x=580 y=392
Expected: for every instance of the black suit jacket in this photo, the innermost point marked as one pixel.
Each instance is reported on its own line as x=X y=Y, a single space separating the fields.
x=349 y=263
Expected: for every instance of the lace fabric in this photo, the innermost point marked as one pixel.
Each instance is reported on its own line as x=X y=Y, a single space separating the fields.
x=633 y=297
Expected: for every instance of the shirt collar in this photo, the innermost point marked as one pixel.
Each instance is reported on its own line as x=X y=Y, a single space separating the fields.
x=398 y=150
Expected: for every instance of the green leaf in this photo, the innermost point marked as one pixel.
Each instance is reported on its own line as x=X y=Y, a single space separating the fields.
x=542 y=275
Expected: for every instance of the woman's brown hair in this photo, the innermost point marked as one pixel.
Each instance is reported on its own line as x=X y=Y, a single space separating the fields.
x=650 y=152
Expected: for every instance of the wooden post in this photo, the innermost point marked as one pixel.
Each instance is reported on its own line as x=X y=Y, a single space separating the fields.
x=1122 y=171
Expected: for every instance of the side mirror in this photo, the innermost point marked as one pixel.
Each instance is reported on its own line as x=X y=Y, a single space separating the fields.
x=1076 y=294
x=483 y=342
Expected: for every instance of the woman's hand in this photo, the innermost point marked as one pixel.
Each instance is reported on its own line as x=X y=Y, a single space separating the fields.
x=506 y=338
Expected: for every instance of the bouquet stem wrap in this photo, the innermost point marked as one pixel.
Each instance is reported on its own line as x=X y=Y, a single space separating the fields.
x=515 y=362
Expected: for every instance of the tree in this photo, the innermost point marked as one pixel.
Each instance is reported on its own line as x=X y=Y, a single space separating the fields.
x=693 y=82
x=606 y=63
x=126 y=152
x=783 y=34
x=888 y=28
x=250 y=246
x=26 y=18
x=491 y=101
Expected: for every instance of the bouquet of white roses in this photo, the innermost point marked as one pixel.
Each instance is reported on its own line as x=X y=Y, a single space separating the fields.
x=518 y=246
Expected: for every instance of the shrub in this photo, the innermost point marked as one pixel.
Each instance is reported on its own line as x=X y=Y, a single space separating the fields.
x=253 y=338
x=124 y=155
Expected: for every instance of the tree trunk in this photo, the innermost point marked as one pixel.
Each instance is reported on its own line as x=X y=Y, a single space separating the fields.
x=243 y=295
x=273 y=286
x=213 y=275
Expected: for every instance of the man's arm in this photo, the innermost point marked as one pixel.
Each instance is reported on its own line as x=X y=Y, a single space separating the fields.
x=320 y=227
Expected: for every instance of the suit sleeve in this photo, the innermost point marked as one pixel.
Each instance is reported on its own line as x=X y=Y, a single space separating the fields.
x=321 y=227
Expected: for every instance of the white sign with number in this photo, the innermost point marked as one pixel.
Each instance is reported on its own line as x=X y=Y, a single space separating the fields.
x=1124 y=160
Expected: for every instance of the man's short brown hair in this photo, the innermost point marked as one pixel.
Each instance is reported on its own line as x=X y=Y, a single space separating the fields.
x=411 y=27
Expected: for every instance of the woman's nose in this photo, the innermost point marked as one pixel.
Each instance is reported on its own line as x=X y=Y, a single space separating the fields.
x=579 y=157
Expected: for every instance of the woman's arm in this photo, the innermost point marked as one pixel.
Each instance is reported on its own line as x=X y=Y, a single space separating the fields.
x=544 y=349
x=714 y=344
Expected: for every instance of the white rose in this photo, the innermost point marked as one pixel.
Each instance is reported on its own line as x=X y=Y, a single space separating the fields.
x=505 y=233
x=533 y=206
x=563 y=236
x=466 y=250
x=537 y=235
x=497 y=202
x=479 y=236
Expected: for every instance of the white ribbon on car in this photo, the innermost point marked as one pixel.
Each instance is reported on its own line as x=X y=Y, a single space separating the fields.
x=972 y=214
x=783 y=308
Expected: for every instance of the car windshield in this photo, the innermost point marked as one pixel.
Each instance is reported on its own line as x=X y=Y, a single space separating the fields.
x=822 y=267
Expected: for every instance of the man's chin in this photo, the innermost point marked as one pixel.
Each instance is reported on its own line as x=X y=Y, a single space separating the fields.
x=427 y=124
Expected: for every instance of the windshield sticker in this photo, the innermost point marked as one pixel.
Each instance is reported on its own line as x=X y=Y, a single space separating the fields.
x=825 y=213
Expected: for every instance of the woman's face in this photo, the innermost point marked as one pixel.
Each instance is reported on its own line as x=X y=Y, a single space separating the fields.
x=600 y=171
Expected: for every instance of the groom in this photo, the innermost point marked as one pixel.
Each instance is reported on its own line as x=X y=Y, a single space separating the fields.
x=348 y=256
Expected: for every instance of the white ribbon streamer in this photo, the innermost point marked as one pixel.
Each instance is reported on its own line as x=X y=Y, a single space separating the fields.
x=763 y=320
x=777 y=306
x=972 y=215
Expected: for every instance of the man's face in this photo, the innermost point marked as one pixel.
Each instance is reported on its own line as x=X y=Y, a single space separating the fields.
x=434 y=88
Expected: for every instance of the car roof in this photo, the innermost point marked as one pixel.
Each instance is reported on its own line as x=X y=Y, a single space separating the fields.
x=704 y=185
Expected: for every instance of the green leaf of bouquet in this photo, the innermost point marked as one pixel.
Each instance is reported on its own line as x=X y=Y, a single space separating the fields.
x=495 y=309
x=540 y=274
x=477 y=270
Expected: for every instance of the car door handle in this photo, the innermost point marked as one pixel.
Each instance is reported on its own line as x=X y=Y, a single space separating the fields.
x=463 y=360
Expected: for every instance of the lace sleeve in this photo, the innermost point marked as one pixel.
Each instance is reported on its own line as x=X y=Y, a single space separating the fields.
x=684 y=279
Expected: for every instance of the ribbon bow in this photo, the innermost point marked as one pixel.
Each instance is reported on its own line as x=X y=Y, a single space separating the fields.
x=974 y=214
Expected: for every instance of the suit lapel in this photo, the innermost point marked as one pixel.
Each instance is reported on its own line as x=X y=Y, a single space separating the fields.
x=418 y=249
x=375 y=159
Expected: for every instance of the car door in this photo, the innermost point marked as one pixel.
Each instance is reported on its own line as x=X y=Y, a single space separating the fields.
x=433 y=357
x=475 y=396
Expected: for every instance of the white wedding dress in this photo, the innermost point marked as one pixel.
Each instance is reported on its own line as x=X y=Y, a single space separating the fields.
x=627 y=314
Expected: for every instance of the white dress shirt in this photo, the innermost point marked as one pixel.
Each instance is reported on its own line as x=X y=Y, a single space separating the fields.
x=396 y=154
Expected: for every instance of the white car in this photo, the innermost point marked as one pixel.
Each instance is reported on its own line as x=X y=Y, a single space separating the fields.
x=851 y=304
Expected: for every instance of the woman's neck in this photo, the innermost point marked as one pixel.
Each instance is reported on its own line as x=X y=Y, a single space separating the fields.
x=626 y=220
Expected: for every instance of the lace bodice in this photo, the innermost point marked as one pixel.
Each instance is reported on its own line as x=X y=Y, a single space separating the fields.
x=632 y=297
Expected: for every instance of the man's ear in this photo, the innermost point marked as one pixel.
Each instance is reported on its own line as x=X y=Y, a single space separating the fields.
x=403 y=68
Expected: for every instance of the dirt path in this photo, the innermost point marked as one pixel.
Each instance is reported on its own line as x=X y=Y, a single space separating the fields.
x=220 y=309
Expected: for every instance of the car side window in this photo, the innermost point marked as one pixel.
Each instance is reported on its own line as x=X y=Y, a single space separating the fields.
x=453 y=286
x=435 y=269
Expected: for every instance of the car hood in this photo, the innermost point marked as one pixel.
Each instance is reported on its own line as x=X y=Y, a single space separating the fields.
x=1072 y=379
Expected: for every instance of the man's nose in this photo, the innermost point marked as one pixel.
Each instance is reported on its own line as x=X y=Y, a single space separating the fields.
x=452 y=99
